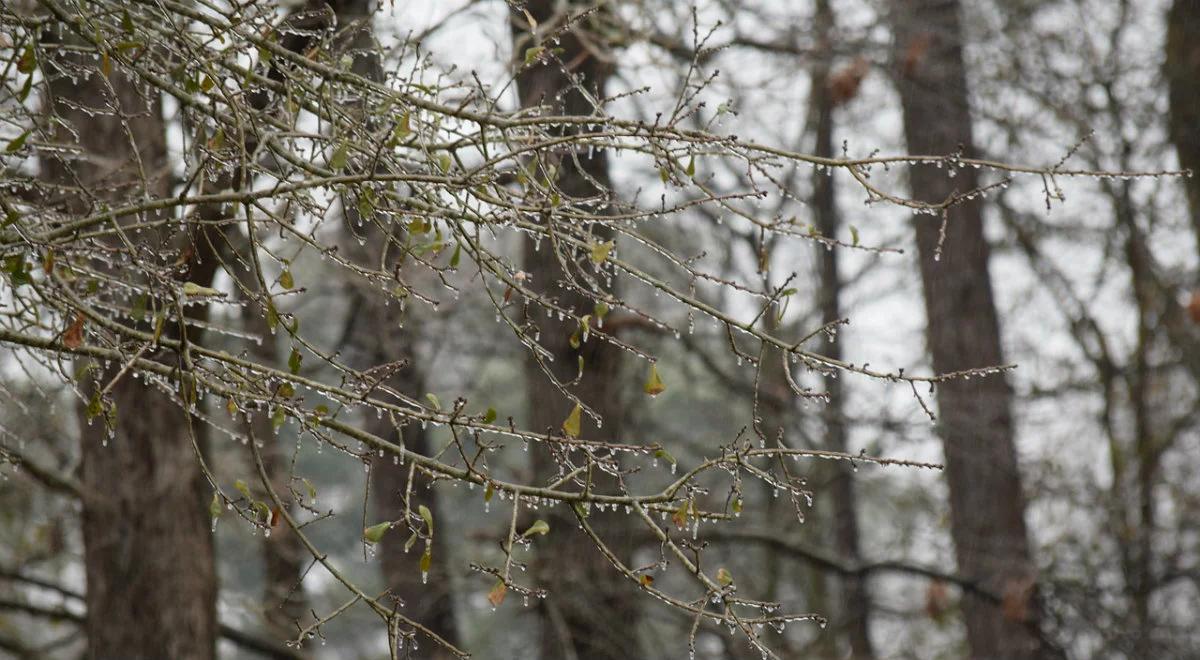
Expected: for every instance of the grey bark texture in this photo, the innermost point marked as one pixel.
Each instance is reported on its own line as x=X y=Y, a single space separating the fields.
x=987 y=505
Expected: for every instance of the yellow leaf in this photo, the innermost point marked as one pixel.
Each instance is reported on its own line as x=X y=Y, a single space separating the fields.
x=600 y=251
x=571 y=425
x=654 y=385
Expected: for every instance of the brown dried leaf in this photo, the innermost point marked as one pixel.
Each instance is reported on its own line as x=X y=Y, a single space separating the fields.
x=73 y=335
x=844 y=84
x=1018 y=593
x=914 y=55
x=937 y=600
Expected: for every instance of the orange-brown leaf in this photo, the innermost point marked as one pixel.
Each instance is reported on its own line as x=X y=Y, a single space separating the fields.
x=844 y=84
x=73 y=336
x=1018 y=592
x=1194 y=307
x=914 y=55
x=937 y=600
x=496 y=595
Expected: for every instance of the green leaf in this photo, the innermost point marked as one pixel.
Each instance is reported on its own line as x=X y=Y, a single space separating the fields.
x=160 y=324
x=737 y=505
x=286 y=280
x=665 y=455
x=272 y=316
x=454 y=258
x=664 y=174
x=337 y=162
x=654 y=385
x=427 y=560
x=312 y=490
x=538 y=527
x=531 y=54
x=15 y=144
x=286 y=390
x=126 y=22
x=427 y=516
x=412 y=540
x=95 y=406
x=25 y=89
x=278 y=419
x=193 y=289
x=571 y=425
x=437 y=405
x=600 y=251
x=489 y=492
x=374 y=533
x=28 y=61
x=854 y=235
x=294 y=361
x=241 y=487
x=138 y=311
x=366 y=202
x=402 y=130
x=489 y=416
x=214 y=507
x=691 y=166
x=444 y=162
x=600 y=310
x=724 y=577
x=321 y=410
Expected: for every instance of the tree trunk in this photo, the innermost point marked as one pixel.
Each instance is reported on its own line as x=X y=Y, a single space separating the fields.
x=986 y=502
x=148 y=549
x=590 y=613
x=1183 y=77
x=374 y=338
x=856 y=603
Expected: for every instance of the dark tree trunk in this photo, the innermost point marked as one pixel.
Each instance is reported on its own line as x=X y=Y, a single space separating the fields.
x=986 y=503
x=1183 y=77
x=856 y=603
x=377 y=338
x=148 y=549
x=590 y=613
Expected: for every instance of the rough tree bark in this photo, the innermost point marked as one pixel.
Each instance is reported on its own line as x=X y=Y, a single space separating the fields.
x=986 y=503
x=856 y=603
x=148 y=549
x=1183 y=78
x=589 y=613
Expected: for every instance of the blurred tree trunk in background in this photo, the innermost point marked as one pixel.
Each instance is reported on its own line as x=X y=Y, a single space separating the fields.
x=284 y=605
x=148 y=548
x=376 y=340
x=856 y=603
x=590 y=613
x=1183 y=78
x=986 y=503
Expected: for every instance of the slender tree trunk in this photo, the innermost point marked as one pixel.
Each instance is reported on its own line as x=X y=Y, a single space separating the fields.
x=590 y=613
x=986 y=503
x=374 y=338
x=1183 y=77
x=856 y=603
x=148 y=549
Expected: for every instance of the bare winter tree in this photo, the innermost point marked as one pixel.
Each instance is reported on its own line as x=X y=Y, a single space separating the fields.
x=232 y=232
